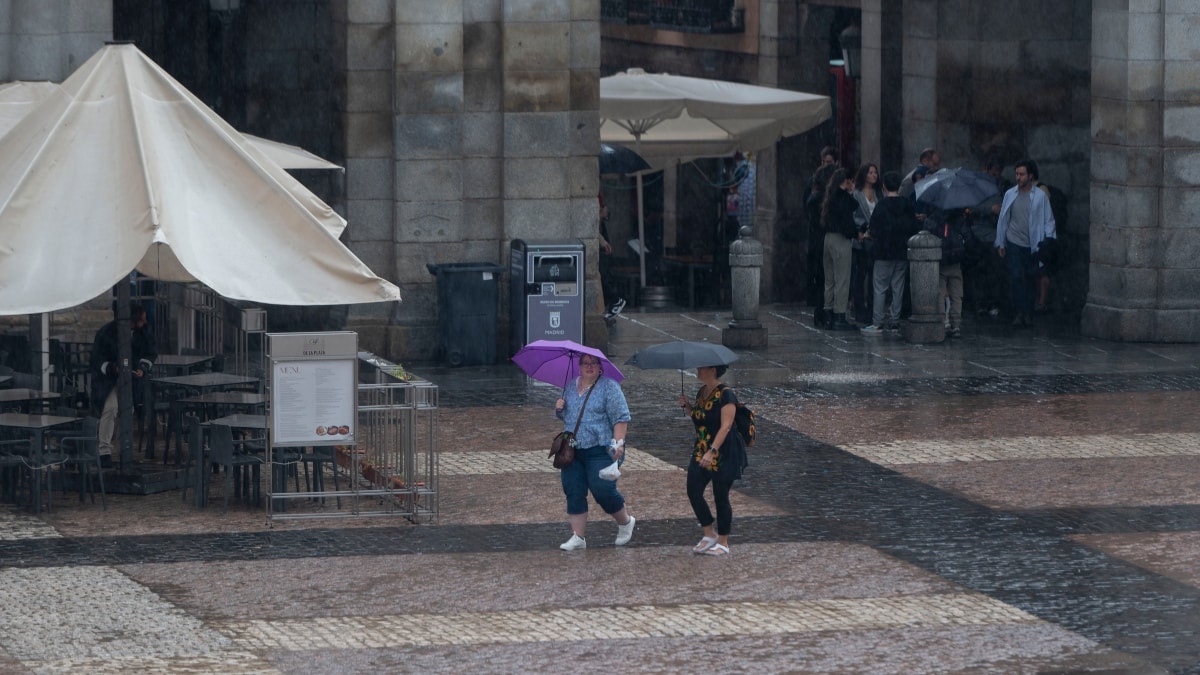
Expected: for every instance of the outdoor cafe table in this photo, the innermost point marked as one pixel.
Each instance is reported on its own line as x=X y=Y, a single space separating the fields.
x=37 y=425
x=10 y=398
x=179 y=364
x=240 y=421
x=239 y=401
x=691 y=265
x=196 y=384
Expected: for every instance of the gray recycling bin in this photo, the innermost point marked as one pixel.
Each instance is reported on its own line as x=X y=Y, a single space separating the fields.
x=546 y=289
x=468 y=295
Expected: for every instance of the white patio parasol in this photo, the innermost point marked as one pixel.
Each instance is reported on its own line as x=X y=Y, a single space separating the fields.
x=122 y=168
x=672 y=117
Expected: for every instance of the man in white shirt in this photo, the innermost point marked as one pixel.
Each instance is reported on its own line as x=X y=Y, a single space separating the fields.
x=1025 y=221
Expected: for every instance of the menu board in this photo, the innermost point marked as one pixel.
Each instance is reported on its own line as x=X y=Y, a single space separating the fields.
x=313 y=387
x=312 y=402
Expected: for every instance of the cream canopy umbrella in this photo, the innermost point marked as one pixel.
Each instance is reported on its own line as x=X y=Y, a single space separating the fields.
x=670 y=118
x=18 y=98
x=124 y=169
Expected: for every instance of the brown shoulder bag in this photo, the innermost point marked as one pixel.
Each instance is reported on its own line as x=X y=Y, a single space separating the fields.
x=562 y=448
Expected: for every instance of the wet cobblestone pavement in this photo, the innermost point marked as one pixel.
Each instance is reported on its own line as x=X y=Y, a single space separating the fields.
x=1011 y=502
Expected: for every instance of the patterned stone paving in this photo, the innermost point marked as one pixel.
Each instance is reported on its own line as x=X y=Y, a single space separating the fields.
x=1014 y=502
x=707 y=620
x=1029 y=447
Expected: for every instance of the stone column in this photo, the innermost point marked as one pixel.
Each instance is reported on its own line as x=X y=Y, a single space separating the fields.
x=927 y=323
x=745 y=263
x=1144 y=283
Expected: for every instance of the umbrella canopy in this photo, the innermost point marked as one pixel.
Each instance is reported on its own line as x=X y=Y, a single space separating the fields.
x=955 y=188
x=672 y=117
x=620 y=159
x=682 y=354
x=124 y=169
x=667 y=118
x=20 y=97
x=557 y=361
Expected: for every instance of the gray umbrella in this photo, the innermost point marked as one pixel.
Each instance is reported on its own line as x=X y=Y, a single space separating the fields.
x=682 y=354
x=955 y=188
x=620 y=159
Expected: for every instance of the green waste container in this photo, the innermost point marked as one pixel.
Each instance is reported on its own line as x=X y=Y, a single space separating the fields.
x=468 y=299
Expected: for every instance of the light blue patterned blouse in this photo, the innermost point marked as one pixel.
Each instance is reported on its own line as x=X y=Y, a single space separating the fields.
x=605 y=409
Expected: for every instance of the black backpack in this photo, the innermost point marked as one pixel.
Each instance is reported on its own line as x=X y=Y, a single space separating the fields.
x=743 y=421
x=954 y=243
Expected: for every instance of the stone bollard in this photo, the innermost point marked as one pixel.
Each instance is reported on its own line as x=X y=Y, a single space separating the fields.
x=745 y=265
x=927 y=323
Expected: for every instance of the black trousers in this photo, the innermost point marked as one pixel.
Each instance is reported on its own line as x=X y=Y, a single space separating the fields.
x=698 y=479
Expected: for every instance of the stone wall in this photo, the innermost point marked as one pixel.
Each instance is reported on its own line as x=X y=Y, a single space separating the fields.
x=1145 y=173
x=48 y=40
x=468 y=124
x=1011 y=81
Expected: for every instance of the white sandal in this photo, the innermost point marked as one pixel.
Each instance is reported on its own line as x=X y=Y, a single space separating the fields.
x=705 y=544
x=718 y=549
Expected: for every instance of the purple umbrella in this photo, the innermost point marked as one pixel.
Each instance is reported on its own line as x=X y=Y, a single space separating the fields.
x=557 y=361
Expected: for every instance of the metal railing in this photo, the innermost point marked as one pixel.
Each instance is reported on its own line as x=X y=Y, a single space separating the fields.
x=392 y=470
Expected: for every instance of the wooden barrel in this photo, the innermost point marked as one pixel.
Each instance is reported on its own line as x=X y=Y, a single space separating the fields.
x=656 y=296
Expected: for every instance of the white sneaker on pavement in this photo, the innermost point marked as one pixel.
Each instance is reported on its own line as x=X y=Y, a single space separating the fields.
x=575 y=543
x=625 y=532
x=871 y=330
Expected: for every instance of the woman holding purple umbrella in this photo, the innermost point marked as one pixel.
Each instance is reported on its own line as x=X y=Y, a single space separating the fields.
x=597 y=404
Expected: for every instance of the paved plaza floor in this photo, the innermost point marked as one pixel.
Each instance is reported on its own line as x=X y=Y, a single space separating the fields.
x=1014 y=501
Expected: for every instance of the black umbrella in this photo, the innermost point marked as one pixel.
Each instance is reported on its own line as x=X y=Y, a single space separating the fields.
x=682 y=354
x=955 y=189
x=620 y=159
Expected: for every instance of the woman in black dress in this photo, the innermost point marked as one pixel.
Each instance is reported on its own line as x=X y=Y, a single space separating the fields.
x=718 y=456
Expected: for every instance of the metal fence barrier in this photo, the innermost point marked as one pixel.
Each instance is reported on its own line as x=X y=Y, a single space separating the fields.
x=391 y=471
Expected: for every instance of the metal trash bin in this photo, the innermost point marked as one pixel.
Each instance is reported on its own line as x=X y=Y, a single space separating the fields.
x=468 y=296
x=546 y=291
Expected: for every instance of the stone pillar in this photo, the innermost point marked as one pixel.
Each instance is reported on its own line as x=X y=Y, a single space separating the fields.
x=745 y=263
x=1144 y=284
x=927 y=323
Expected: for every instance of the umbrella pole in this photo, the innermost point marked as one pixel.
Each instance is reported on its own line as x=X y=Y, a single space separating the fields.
x=637 y=144
x=641 y=208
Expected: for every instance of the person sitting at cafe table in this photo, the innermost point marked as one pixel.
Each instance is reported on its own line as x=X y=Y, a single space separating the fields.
x=106 y=368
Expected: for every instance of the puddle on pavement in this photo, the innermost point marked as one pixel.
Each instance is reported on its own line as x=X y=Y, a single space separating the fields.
x=839 y=378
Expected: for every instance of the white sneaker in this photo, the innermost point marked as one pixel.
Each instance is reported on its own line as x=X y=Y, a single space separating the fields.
x=873 y=329
x=575 y=543
x=625 y=532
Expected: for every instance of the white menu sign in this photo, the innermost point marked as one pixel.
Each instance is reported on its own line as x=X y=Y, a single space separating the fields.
x=313 y=402
x=313 y=388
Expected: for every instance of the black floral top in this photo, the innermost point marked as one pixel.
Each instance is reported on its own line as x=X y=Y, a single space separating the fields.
x=706 y=415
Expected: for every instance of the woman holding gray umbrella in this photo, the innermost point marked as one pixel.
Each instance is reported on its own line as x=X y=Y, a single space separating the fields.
x=717 y=457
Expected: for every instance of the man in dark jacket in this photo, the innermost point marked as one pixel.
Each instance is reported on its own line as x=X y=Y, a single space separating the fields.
x=892 y=222
x=106 y=367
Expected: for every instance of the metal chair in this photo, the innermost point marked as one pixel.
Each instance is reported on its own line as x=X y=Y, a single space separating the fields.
x=14 y=464
x=224 y=452
x=83 y=452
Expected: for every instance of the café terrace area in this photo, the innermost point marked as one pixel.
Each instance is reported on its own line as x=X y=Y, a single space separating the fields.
x=199 y=425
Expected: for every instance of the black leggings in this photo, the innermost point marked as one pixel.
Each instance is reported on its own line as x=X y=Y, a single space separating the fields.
x=697 y=480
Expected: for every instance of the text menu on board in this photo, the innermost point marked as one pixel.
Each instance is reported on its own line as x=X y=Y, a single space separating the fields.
x=313 y=388
x=312 y=402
